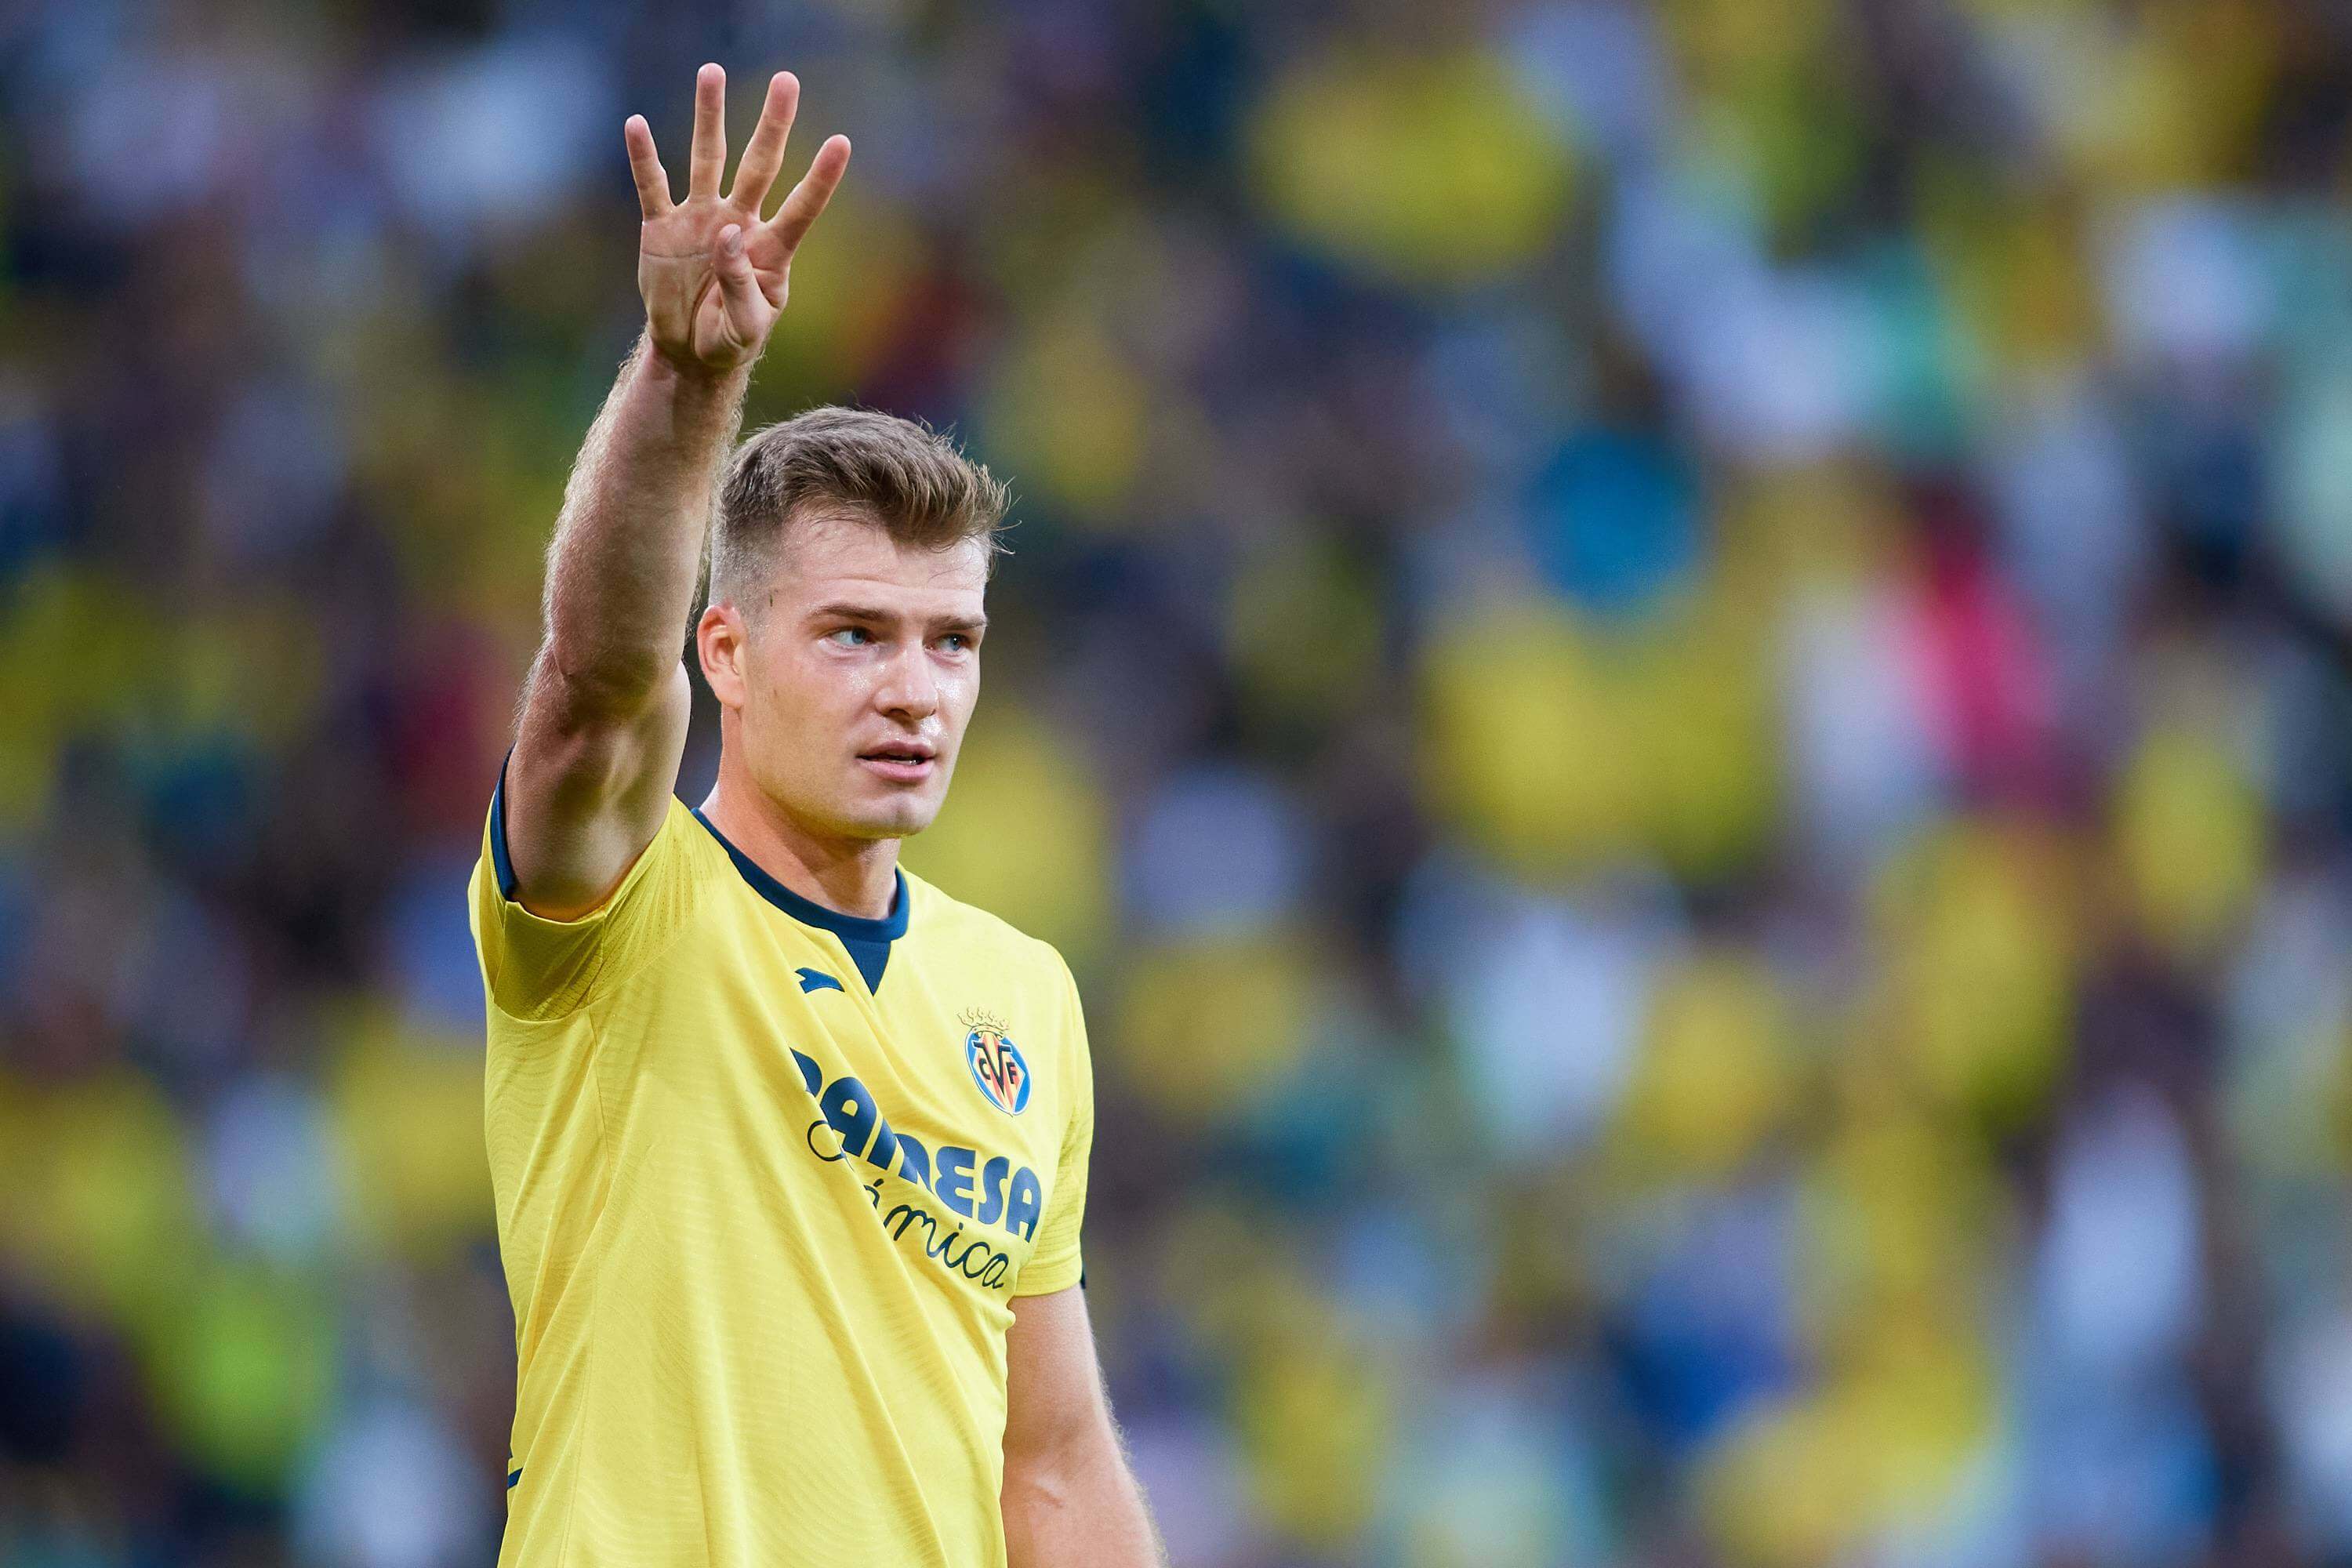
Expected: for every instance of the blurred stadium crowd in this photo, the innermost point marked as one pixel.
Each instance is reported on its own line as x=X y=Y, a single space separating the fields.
x=1680 y=675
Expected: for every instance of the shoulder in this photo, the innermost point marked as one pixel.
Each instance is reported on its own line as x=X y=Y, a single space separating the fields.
x=696 y=842
x=986 y=938
x=991 y=964
x=538 y=967
x=998 y=978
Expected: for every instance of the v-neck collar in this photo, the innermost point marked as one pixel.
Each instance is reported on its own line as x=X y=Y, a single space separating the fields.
x=867 y=940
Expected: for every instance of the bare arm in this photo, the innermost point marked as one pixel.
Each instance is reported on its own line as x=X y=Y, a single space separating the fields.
x=604 y=714
x=1069 y=1499
x=604 y=718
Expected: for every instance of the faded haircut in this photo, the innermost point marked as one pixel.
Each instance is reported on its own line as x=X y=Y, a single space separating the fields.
x=899 y=474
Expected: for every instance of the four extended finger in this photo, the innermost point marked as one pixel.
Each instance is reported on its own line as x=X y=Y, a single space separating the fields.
x=763 y=155
x=707 y=160
x=645 y=167
x=791 y=224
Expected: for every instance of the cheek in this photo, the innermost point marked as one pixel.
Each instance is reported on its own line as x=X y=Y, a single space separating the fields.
x=804 y=698
x=958 y=695
x=774 y=693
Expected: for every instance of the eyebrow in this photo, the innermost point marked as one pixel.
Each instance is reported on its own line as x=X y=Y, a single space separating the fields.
x=842 y=610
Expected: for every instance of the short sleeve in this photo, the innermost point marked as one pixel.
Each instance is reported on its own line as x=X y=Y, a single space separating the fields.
x=534 y=968
x=1057 y=1264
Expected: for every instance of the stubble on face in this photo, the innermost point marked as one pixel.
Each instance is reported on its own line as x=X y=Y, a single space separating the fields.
x=862 y=670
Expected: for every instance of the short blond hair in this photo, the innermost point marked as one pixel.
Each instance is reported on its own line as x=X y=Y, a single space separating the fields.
x=908 y=479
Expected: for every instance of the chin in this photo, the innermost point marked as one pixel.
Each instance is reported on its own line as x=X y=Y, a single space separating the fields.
x=895 y=818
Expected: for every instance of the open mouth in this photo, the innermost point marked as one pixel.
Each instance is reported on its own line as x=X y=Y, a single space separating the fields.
x=907 y=761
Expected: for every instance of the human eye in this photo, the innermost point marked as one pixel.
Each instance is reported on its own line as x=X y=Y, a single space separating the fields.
x=956 y=642
x=849 y=637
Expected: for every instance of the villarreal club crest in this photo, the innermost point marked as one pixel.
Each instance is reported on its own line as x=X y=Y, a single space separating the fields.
x=996 y=1063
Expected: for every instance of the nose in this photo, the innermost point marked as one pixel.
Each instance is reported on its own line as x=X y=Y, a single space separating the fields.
x=910 y=688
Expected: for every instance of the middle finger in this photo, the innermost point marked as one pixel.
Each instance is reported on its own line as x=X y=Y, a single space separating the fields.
x=708 y=157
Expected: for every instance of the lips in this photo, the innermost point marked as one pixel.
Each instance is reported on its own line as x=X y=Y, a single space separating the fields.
x=901 y=762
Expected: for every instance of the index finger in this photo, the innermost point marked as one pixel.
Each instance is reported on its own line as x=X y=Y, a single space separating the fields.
x=645 y=167
x=792 y=221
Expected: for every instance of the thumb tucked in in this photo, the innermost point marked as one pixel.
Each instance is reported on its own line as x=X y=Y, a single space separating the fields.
x=736 y=284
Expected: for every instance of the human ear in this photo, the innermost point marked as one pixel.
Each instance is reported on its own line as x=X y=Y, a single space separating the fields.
x=720 y=640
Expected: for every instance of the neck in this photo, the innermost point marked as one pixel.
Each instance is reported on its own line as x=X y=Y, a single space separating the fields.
x=849 y=876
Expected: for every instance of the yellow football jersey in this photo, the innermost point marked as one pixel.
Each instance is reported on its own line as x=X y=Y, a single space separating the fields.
x=768 y=1178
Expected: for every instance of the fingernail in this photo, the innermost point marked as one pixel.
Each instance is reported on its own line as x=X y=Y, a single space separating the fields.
x=732 y=240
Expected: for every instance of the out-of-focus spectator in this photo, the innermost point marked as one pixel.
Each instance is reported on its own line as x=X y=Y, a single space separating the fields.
x=1681 y=675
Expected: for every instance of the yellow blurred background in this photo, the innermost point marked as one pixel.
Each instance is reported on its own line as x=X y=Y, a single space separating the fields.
x=1677 y=674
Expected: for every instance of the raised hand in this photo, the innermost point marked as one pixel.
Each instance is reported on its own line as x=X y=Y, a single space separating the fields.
x=713 y=274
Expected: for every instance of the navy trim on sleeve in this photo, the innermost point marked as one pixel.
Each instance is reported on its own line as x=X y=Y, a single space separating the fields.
x=500 y=863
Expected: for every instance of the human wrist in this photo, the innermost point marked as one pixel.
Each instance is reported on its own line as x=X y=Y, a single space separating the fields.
x=687 y=376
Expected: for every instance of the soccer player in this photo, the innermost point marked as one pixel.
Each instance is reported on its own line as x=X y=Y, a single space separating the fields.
x=789 y=1147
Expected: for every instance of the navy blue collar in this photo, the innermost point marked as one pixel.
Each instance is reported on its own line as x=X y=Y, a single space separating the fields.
x=868 y=941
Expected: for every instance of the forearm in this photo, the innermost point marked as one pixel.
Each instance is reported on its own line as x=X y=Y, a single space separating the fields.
x=627 y=554
x=1081 y=1508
